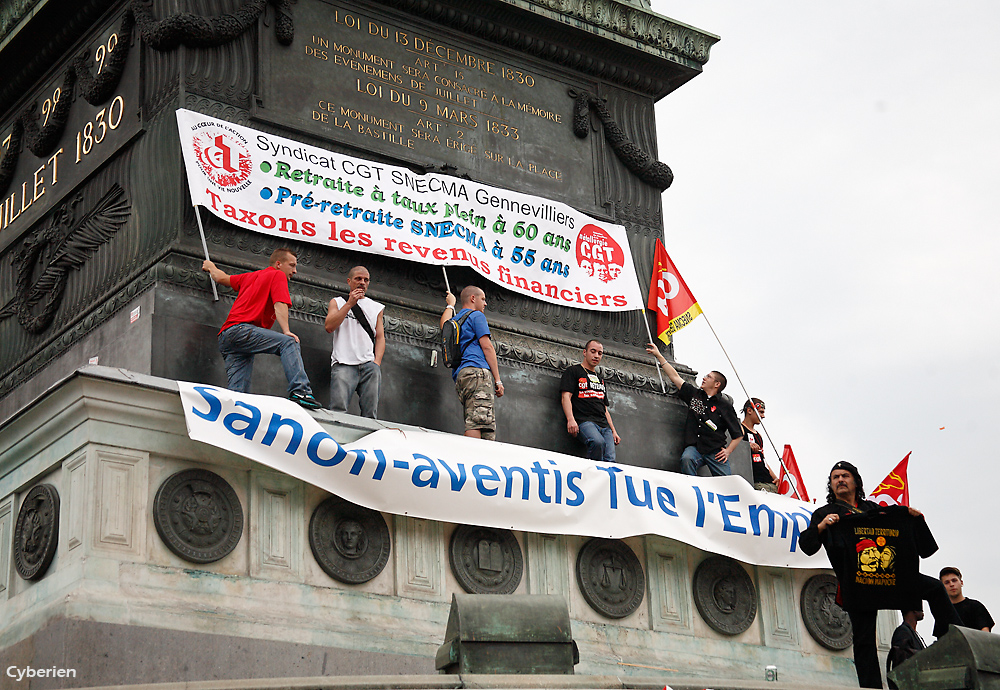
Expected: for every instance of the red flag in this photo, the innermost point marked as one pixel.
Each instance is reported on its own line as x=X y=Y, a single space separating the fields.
x=790 y=483
x=894 y=489
x=669 y=296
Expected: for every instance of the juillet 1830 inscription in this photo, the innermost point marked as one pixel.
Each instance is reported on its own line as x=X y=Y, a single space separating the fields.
x=398 y=90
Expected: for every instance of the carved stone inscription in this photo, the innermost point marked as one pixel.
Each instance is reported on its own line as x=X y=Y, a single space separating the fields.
x=417 y=95
x=824 y=619
x=65 y=138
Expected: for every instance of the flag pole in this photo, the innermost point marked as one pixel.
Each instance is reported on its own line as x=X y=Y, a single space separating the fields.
x=649 y=333
x=204 y=246
x=747 y=393
x=447 y=287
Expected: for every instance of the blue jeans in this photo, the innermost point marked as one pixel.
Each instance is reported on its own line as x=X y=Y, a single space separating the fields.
x=364 y=378
x=691 y=460
x=238 y=345
x=599 y=440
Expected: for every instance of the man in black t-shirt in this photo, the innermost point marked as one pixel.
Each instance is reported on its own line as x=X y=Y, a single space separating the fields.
x=845 y=499
x=710 y=416
x=763 y=477
x=972 y=612
x=585 y=404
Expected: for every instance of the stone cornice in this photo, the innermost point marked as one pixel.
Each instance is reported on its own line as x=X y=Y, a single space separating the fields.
x=626 y=19
x=609 y=39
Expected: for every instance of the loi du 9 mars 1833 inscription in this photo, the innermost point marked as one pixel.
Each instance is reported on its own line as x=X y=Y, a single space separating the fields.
x=414 y=94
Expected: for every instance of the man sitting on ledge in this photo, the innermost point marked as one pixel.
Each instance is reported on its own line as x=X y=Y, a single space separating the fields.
x=709 y=417
x=585 y=404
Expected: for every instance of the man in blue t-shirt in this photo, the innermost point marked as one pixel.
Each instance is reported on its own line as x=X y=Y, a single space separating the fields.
x=477 y=378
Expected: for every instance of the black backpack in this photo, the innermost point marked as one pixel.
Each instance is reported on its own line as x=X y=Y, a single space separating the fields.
x=451 y=332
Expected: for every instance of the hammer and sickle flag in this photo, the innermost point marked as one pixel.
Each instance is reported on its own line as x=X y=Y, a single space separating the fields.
x=669 y=296
x=790 y=479
x=894 y=489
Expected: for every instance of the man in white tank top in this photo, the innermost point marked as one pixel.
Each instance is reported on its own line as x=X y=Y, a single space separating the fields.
x=358 y=346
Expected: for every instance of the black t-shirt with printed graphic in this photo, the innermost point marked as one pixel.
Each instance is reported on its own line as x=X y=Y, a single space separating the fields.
x=590 y=399
x=874 y=551
x=708 y=420
x=760 y=471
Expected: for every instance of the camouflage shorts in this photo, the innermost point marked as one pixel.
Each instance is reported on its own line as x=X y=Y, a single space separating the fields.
x=475 y=390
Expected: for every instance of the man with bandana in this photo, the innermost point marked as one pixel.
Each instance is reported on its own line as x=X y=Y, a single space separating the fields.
x=846 y=496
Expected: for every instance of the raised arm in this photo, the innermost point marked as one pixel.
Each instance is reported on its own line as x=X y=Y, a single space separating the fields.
x=449 y=311
x=672 y=374
x=335 y=316
x=218 y=275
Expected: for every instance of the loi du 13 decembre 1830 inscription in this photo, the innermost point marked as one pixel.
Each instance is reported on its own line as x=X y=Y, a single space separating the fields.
x=412 y=94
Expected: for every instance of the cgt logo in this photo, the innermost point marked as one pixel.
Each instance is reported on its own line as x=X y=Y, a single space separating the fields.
x=224 y=158
x=598 y=254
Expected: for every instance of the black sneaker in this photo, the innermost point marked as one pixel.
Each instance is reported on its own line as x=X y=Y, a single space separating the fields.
x=305 y=400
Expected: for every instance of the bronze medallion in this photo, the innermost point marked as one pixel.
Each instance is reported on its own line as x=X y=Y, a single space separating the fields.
x=486 y=560
x=198 y=516
x=36 y=532
x=825 y=620
x=610 y=577
x=350 y=543
x=725 y=595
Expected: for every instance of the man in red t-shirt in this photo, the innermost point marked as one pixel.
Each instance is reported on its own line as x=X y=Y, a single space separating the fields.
x=262 y=298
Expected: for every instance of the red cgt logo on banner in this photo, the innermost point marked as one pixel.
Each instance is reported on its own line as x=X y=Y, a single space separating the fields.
x=598 y=254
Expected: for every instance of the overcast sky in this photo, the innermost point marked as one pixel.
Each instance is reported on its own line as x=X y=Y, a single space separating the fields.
x=835 y=213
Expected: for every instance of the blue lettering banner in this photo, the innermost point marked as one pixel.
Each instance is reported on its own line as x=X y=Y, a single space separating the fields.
x=452 y=478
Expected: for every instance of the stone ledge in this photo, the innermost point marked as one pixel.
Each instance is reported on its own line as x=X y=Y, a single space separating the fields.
x=480 y=682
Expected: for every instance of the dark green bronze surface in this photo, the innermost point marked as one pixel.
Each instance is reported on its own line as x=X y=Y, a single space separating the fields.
x=521 y=633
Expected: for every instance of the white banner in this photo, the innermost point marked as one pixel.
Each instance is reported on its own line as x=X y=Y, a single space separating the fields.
x=457 y=479
x=533 y=246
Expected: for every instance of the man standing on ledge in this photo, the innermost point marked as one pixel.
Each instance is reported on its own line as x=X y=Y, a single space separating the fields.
x=973 y=613
x=358 y=346
x=763 y=476
x=477 y=376
x=709 y=417
x=845 y=496
x=585 y=404
x=262 y=298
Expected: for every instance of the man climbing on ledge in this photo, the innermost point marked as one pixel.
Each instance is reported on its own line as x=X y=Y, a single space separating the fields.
x=709 y=417
x=846 y=498
x=262 y=298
